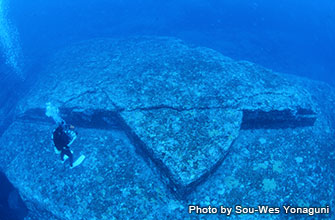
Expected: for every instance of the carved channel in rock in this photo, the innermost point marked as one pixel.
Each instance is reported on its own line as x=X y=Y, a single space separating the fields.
x=252 y=119
x=91 y=118
x=102 y=119
x=277 y=119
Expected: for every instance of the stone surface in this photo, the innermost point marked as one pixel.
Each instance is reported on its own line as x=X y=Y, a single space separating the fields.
x=146 y=75
x=279 y=167
x=11 y=204
x=112 y=183
x=211 y=130
x=189 y=143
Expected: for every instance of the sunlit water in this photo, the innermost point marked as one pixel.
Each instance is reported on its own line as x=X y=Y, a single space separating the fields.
x=9 y=42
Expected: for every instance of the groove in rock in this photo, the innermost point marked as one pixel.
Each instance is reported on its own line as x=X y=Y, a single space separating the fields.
x=91 y=118
x=277 y=119
x=102 y=119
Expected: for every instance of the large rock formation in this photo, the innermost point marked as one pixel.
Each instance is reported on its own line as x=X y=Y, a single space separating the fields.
x=191 y=115
x=11 y=204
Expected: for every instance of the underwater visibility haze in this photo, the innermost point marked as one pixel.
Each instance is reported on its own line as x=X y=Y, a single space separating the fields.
x=167 y=109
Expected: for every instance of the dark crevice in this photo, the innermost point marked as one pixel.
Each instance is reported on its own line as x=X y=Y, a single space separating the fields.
x=252 y=119
x=92 y=118
x=277 y=119
x=304 y=111
x=179 y=109
x=102 y=119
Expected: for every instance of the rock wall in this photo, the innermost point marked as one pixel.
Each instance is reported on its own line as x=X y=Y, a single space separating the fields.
x=163 y=125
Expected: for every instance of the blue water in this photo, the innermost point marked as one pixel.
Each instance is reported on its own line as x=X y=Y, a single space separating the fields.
x=290 y=36
x=295 y=37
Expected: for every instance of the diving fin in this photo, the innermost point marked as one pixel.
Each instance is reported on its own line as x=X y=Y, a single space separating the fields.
x=78 y=161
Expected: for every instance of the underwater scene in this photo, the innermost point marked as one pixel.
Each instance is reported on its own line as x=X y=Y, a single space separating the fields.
x=188 y=109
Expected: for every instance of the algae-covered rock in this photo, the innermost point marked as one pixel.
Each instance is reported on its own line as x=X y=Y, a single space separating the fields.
x=192 y=116
x=189 y=143
x=112 y=183
x=146 y=82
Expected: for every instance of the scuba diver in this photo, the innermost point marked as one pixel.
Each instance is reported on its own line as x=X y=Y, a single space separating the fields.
x=63 y=136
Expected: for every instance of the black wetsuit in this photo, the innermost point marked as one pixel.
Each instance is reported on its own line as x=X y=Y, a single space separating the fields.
x=61 y=141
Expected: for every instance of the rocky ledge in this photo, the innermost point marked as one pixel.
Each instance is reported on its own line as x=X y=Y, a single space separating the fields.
x=192 y=117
